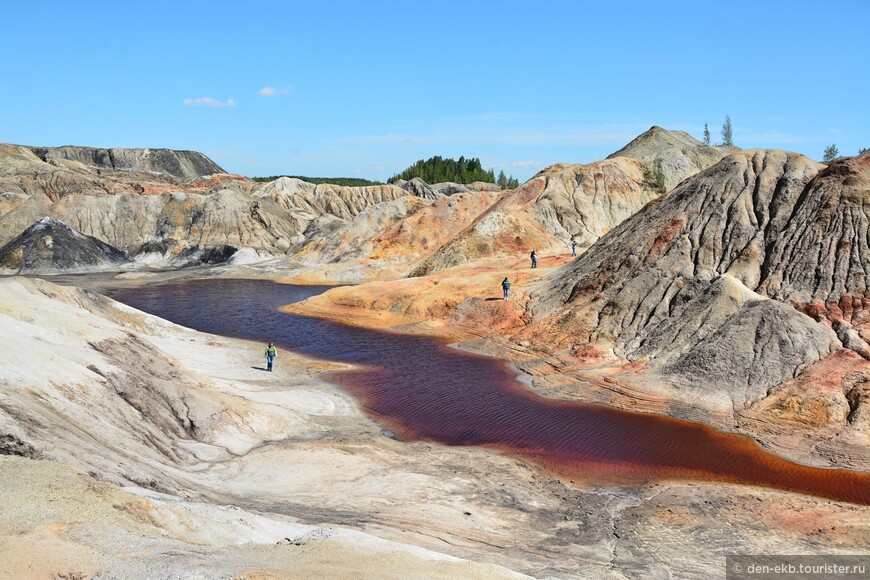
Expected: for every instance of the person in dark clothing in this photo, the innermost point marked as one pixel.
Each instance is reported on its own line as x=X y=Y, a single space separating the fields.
x=534 y=259
x=271 y=353
x=573 y=247
x=506 y=286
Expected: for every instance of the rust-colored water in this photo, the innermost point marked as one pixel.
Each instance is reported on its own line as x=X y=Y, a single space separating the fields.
x=422 y=389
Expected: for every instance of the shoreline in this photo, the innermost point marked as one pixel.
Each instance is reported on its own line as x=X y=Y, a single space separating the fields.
x=519 y=517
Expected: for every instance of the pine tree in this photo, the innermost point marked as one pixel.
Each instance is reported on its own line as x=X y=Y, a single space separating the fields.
x=726 y=132
x=438 y=169
x=706 y=135
x=831 y=153
x=502 y=179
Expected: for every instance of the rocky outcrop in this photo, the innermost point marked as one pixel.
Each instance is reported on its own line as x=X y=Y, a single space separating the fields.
x=669 y=157
x=183 y=164
x=677 y=285
x=50 y=246
x=450 y=188
x=419 y=188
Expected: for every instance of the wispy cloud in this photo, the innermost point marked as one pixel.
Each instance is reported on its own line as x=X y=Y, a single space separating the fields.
x=524 y=138
x=770 y=137
x=275 y=92
x=209 y=102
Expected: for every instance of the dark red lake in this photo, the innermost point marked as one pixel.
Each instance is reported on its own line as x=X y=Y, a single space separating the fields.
x=420 y=388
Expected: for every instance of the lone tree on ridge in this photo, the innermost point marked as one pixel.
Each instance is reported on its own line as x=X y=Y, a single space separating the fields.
x=831 y=153
x=726 y=132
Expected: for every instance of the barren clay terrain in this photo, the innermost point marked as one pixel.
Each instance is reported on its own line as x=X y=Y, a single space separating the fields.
x=135 y=447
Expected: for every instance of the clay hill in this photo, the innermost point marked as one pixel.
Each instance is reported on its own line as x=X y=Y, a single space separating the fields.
x=738 y=298
x=49 y=245
x=671 y=156
x=561 y=203
x=415 y=236
x=170 y=217
x=742 y=279
x=160 y=210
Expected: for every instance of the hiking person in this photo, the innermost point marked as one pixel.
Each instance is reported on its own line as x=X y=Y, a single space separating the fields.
x=506 y=286
x=534 y=259
x=271 y=353
x=573 y=247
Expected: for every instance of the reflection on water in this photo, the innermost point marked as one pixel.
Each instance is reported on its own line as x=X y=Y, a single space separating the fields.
x=422 y=389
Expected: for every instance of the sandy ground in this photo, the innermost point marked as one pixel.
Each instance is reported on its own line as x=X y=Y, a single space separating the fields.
x=223 y=469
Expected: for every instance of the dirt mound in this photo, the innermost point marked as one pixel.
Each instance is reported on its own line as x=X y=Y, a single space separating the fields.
x=49 y=245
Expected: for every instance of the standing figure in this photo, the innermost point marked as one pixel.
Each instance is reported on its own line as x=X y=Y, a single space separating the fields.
x=573 y=247
x=534 y=259
x=271 y=353
x=506 y=286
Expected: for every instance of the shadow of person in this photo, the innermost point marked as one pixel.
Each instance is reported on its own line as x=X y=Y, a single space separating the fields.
x=490 y=299
x=260 y=368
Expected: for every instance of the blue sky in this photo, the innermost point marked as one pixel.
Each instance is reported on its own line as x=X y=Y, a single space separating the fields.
x=364 y=89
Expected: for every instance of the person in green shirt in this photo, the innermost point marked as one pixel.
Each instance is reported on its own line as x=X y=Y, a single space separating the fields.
x=506 y=286
x=271 y=353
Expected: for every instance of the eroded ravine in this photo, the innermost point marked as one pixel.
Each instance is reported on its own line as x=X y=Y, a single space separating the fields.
x=420 y=388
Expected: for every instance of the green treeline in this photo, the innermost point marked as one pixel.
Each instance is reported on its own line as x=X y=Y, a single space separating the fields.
x=345 y=181
x=437 y=170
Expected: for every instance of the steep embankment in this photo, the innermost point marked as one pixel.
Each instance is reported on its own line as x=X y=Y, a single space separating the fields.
x=669 y=157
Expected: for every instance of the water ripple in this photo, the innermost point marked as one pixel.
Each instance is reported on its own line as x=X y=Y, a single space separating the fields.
x=419 y=388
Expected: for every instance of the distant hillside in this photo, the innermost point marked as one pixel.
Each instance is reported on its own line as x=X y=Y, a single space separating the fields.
x=438 y=170
x=343 y=181
x=182 y=164
x=669 y=157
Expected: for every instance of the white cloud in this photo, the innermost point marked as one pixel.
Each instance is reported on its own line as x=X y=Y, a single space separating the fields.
x=524 y=164
x=274 y=92
x=209 y=102
x=532 y=138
